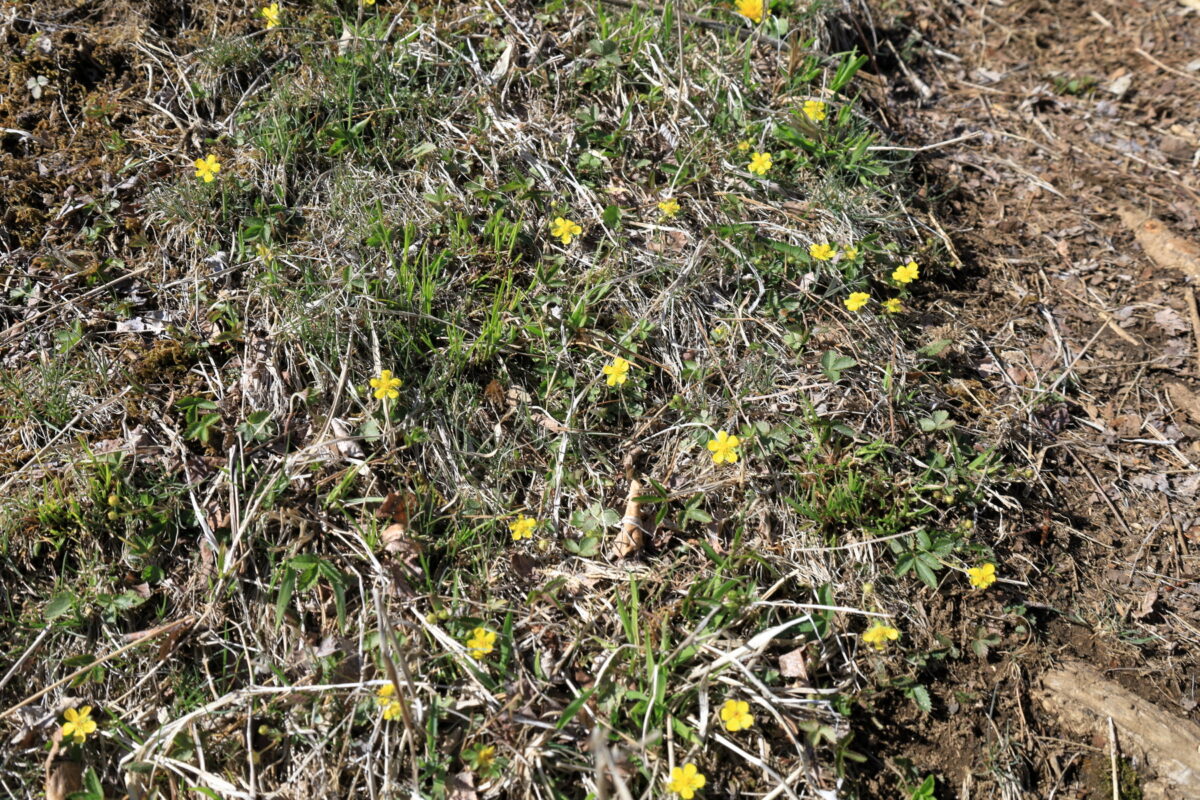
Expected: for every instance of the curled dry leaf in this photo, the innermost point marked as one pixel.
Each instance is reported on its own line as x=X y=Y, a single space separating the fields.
x=395 y=539
x=462 y=786
x=345 y=444
x=63 y=778
x=398 y=507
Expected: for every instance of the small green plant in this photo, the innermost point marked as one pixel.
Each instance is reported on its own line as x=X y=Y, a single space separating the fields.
x=926 y=789
x=200 y=417
x=833 y=364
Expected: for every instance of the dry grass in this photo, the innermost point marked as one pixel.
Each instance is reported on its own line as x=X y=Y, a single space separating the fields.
x=227 y=474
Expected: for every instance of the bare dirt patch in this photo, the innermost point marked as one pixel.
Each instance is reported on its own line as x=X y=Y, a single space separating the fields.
x=1078 y=113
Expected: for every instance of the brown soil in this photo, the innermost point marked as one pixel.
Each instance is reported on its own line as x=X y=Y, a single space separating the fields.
x=1074 y=107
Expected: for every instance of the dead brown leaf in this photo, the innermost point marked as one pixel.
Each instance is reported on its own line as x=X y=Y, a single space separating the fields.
x=494 y=393
x=395 y=539
x=62 y=779
x=1185 y=400
x=462 y=787
x=671 y=242
x=398 y=507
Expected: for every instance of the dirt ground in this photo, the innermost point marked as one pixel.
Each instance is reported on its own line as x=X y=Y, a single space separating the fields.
x=1043 y=119
x=1048 y=124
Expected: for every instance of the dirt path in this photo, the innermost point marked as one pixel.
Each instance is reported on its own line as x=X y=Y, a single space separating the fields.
x=1079 y=349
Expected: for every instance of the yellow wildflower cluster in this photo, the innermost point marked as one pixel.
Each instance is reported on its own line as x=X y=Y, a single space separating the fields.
x=207 y=168
x=685 y=781
x=617 y=372
x=736 y=715
x=878 y=635
x=753 y=10
x=481 y=642
x=385 y=698
x=522 y=527
x=759 y=163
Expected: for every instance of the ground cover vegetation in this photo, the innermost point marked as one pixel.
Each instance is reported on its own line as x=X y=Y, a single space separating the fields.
x=465 y=399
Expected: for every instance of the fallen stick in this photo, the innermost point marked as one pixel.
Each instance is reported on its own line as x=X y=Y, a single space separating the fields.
x=1083 y=698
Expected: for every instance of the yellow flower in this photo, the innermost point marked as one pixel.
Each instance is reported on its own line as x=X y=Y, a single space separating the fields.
x=906 y=274
x=857 y=300
x=481 y=643
x=617 y=371
x=878 y=635
x=821 y=252
x=685 y=781
x=724 y=448
x=736 y=715
x=982 y=576
x=265 y=253
x=814 y=110
x=271 y=15
x=78 y=724
x=368 y=2
x=207 y=168
x=892 y=305
x=669 y=207
x=384 y=698
x=485 y=756
x=386 y=385
x=743 y=145
x=849 y=252
x=564 y=229
x=759 y=163
x=752 y=9
x=522 y=527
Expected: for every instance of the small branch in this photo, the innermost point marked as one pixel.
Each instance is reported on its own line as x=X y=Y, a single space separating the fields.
x=1194 y=313
x=963 y=138
x=96 y=663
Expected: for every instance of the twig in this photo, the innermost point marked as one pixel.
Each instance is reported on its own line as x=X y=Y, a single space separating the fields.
x=919 y=85
x=1100 y=491
x=963 y=138
x=95 y=663
x=24 y=657
x=387 y=642
x=13 y=330
x=1161 y=65
x=1112 y=755
x=1194 y=313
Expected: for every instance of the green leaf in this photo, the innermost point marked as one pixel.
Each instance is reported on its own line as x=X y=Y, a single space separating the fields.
x=834 y=363
x=937 y=421
x=573 y=709
x=286 y=587
x=935 y=349
x=925 y=573
x=920 y=696
x=611 y=216
x=58 y=605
